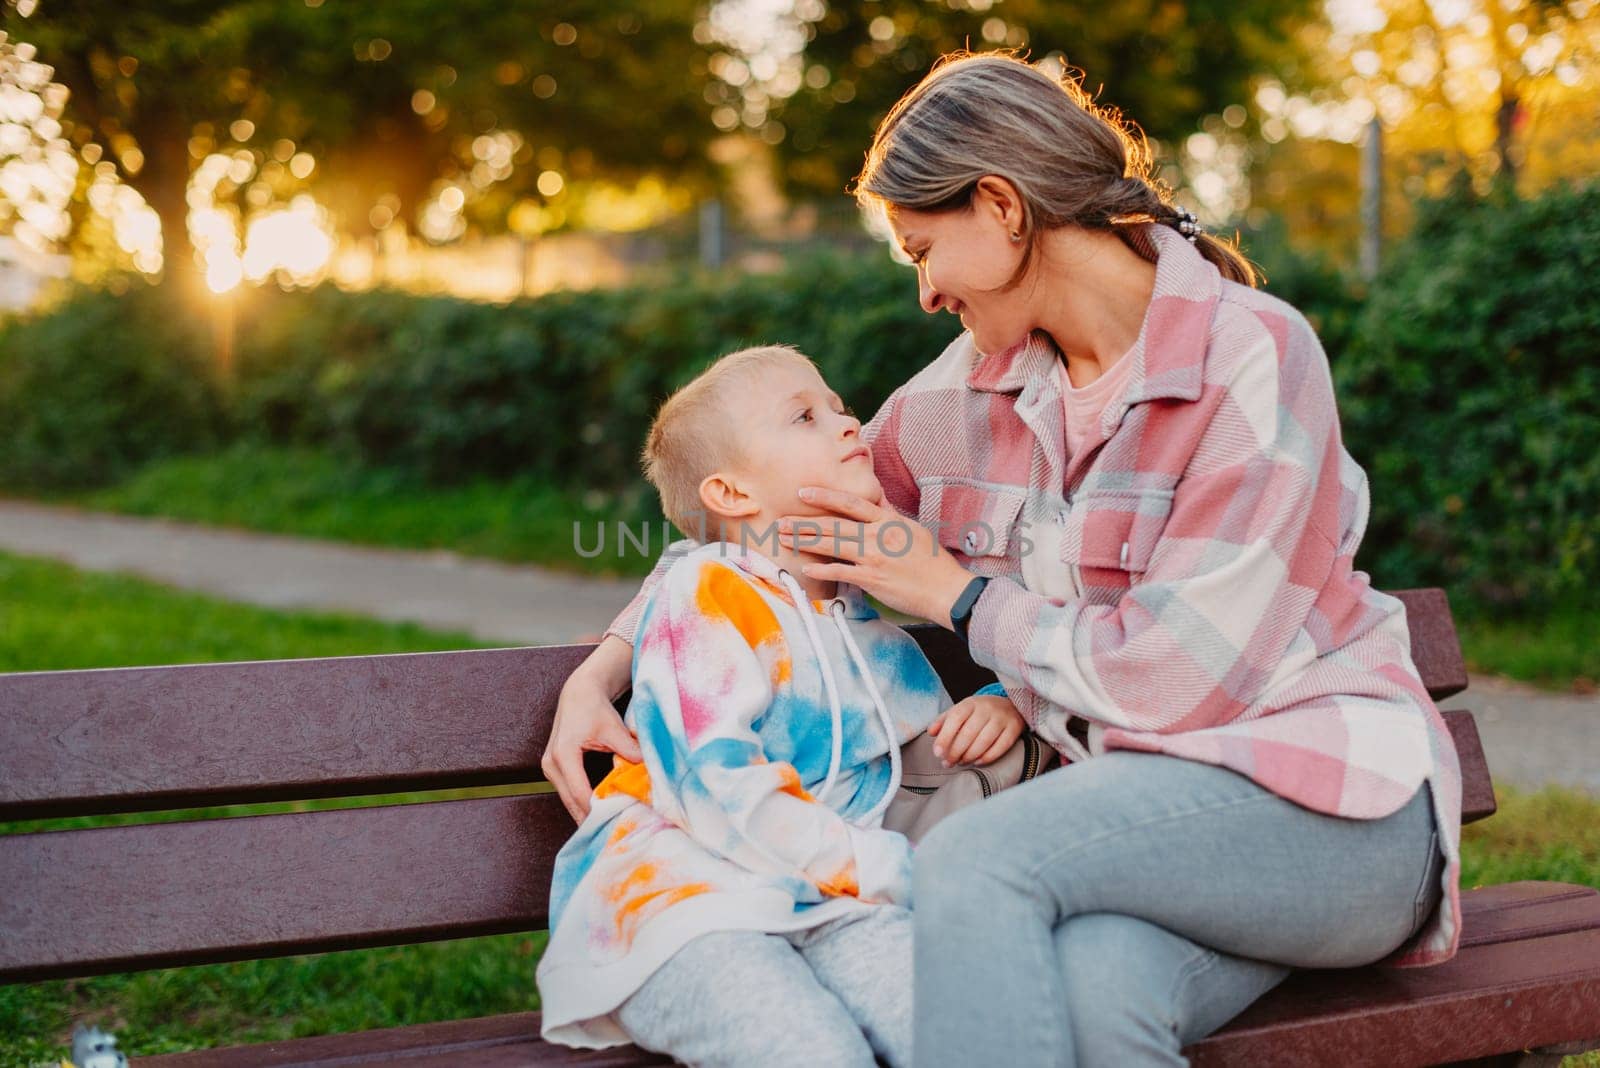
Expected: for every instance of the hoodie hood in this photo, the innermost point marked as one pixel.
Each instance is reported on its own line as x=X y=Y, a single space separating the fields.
x=764 y=569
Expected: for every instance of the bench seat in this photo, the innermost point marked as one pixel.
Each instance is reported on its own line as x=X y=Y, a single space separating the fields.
x=198 y=890
x=1527 y=974
x=1529 y=969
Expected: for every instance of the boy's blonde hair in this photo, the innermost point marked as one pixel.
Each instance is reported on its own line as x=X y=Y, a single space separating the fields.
x=691 y=437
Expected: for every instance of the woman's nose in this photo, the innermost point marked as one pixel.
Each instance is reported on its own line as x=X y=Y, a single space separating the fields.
x=930 y=298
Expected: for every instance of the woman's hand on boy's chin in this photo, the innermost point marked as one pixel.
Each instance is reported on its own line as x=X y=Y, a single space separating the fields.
x=895 y=559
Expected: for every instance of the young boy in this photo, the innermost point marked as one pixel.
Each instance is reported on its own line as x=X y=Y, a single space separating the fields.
x=734 y=899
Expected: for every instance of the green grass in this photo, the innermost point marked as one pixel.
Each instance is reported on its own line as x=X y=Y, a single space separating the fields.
x=53 y=617
x=1550 y=834
x=1557 y=651
x=179 y=1009
x=288 y=491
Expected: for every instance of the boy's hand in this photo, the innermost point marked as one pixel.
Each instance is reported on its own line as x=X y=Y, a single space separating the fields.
x=978 y=730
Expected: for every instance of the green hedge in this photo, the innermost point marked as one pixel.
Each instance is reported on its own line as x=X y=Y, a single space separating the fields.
x=1328 y=295
x=1467 y=382
x=559 y=388
x=1470 y=391
x=102 y=386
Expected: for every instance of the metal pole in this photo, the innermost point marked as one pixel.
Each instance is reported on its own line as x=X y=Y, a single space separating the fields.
x=1372 y=200
x=711 y=234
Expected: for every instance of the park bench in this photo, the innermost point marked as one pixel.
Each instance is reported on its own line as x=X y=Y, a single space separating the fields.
x=124 y=898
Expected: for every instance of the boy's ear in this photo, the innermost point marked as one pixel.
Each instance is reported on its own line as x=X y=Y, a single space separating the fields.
x=722 y=495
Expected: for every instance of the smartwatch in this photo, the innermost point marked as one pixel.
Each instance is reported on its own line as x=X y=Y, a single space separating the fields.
x=961 y=611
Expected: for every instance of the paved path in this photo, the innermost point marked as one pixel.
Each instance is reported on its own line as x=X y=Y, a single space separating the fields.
x=1531 y=737
x=495 y=602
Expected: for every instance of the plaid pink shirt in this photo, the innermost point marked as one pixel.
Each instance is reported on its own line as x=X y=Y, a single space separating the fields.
x=1185 y=584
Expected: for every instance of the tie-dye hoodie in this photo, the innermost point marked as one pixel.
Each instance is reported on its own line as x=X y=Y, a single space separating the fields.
x=771 y=737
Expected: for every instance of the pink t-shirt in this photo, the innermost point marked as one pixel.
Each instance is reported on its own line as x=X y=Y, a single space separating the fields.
x=1083 y=406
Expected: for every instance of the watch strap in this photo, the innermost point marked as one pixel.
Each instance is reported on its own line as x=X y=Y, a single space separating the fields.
x=961 y=611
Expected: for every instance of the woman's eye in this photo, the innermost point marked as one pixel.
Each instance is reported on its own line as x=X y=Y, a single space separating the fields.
x=804 y=414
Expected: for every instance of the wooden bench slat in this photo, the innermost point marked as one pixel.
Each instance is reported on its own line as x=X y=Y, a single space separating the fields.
x=1488 y=999
x=118 y=899
x=534 y=1052
x=1435 y=646
x=511 y=1039
x=142 y=739
x=1493 y=914
x=1510 y=911
x=139 y=739
x=1477 y=789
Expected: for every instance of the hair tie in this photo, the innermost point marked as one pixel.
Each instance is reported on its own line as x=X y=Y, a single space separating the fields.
x=1186 y=224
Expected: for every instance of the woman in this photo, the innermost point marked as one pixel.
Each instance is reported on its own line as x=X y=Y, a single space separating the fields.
x=1146 y=525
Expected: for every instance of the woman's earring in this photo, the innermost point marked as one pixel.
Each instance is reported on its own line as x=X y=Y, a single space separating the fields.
x=1016 y=238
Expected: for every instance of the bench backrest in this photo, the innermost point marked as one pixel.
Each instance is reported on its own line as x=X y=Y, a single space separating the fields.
x=122 y=898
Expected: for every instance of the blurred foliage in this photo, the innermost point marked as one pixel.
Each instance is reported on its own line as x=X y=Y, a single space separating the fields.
x=109 y=383
x=1308 y=277
x=1164 y=64
x=1466 y=383
x=1502 y=90
x=387 y=97
x=1470 y=394
x=1489 y=88
x=391 y=98
x=559 y=388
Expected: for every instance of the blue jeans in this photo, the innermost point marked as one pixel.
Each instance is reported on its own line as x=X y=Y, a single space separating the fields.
x=1114 y=911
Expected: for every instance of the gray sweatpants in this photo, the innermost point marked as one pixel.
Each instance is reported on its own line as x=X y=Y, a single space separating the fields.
x=834 y=995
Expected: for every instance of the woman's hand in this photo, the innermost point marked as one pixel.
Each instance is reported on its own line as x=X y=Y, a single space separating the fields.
x=586 y=720
x=872 y=546
x=978 y=730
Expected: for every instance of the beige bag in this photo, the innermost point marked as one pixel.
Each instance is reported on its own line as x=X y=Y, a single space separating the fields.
x=929 y=791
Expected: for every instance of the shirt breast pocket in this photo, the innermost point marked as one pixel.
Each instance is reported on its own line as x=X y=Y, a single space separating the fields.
x=1114 y=537
x=977 y=522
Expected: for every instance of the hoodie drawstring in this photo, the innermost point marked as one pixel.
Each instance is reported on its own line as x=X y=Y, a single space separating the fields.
x=883 y=716
x=836 y=756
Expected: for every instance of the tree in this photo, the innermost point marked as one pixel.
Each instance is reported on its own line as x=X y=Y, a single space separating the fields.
x=1164 y=64
x=1483 y=91
x=386 y=98
x=36 y=162
x=1469 y=80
